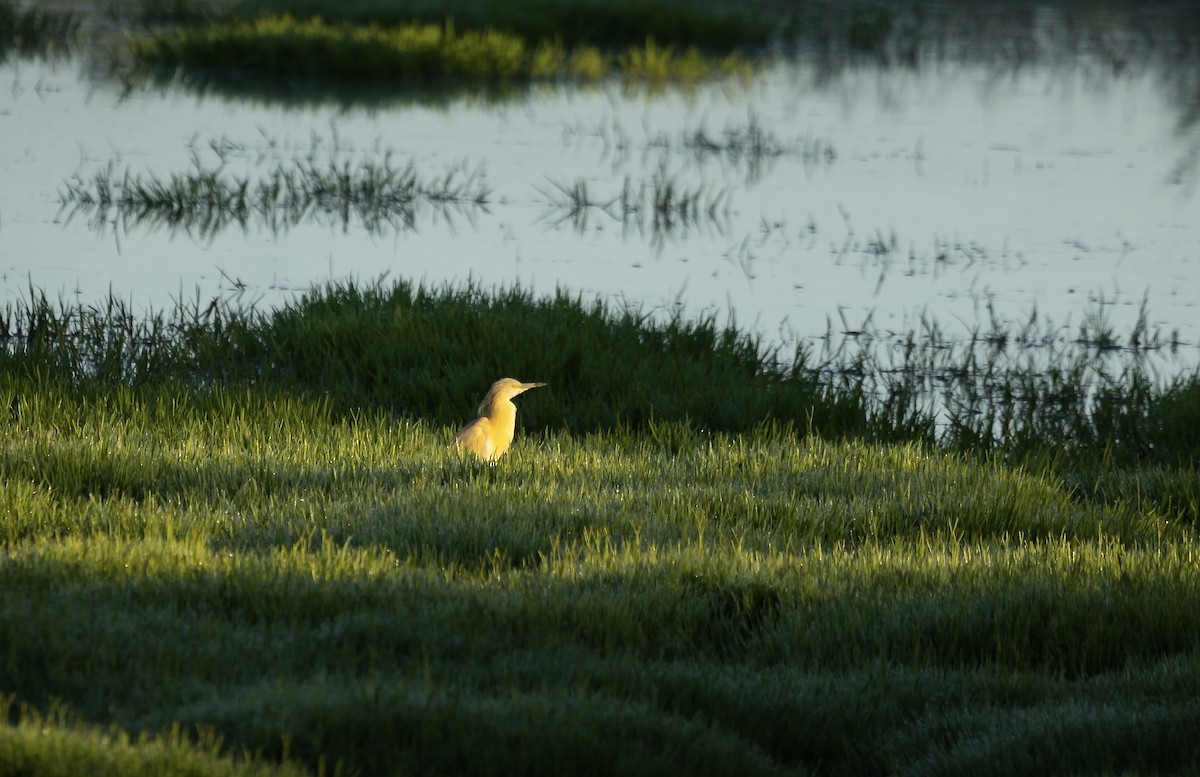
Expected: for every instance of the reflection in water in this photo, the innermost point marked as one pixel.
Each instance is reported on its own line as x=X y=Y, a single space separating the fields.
x=30 y=32
x=378 y=196
x=660 y=209
x=750 y=149
x=1054 y=172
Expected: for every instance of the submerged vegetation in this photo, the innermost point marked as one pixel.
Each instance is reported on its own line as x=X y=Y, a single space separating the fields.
x=228 y=531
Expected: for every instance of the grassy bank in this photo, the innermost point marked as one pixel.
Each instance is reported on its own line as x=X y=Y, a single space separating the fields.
x=236 y=540
x=1019 y=389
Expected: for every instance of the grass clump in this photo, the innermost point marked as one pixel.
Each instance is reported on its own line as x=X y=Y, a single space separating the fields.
x=415 y=52
x=379 y=195
x=55 y=743
x=613 y=24
x=425 y=353
x=283 y=45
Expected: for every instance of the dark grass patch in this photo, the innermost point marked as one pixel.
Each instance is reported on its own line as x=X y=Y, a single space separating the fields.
x=32 y=31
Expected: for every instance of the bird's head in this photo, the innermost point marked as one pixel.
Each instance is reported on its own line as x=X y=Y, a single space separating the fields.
x=505 y=389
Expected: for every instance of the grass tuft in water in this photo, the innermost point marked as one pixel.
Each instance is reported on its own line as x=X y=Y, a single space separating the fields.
x=378 y=195
x=662 y=208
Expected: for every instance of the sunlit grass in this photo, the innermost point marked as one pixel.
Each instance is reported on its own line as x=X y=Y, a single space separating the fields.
x=55 y=743
x=353 y=588
x=242 y=532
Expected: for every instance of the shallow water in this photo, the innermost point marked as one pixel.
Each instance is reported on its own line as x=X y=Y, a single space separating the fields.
x=878 y=195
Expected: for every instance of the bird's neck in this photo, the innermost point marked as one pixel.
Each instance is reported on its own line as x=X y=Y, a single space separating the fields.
x=503 y=413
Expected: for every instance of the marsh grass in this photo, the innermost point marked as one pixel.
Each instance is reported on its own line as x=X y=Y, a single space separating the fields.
x=56 y=742
x=344 y=590
x=1089 y=396
x=379 y=195
x=231 y=539
x=612 y=24
x=410 y=53
x=1114 y=34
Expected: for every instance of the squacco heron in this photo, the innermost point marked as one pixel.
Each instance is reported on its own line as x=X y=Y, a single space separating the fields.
x=489 y=435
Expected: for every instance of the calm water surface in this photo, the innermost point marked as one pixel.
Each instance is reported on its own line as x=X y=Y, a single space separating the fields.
x=884 y=195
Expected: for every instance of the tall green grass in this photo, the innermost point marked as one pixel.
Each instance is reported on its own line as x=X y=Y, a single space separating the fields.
x=346 y=590
x=423 y=352
x=234 y=540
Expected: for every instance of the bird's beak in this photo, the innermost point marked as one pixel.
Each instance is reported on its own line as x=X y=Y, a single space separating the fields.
x=527 y=386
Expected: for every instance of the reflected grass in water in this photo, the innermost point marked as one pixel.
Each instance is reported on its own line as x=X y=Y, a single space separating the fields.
x=381 y=196
x=661 y=209
x=33 y=31
x=749 y=148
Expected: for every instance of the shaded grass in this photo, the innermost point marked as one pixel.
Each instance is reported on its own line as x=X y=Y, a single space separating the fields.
x=425 y=353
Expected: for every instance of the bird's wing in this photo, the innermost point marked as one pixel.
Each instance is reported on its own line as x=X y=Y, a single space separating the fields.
x=474 y=437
